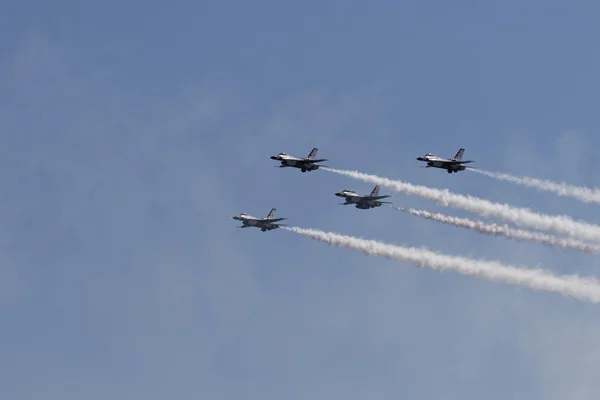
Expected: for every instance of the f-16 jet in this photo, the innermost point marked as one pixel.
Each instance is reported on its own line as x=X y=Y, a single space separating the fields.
x=363 y=202
x=304 y=164
x=265 y=224
x=451 y=165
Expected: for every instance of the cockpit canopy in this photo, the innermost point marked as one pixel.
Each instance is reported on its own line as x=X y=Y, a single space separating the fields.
x=283 y=154
x=429 y=155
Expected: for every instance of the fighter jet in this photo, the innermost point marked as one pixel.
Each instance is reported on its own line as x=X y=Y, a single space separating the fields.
x=363 y=202
x=451 y=165
x=305 y=164
x=265 y=224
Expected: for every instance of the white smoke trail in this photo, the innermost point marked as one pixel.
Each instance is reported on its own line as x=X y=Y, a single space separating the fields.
x=505 y=230
x=564 y=189
x=586 y=289
x=519 y=216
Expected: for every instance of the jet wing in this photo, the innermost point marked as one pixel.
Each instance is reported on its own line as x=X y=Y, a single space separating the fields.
x=454 y=162
x=310 y=161
x=273 y=219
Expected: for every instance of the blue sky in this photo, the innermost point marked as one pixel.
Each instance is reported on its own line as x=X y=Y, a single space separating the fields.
x=132 y=131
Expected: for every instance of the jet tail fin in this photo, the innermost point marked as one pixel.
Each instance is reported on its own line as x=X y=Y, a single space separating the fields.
x=459 y=155
x=375 y=191
x=313 y=153
x=271 y=213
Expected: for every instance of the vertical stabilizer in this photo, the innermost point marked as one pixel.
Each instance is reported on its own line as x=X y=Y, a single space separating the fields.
x=459 y=155
x=313 y=153
x=375 y=191
x=271 y=213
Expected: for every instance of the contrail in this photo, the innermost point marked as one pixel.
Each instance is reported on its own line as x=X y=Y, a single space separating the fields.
x=586 y=289
x=506 y=231
x=564 y=189
x=520 y=216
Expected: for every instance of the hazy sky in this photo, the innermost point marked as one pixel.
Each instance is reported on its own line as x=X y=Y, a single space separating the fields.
x=131 y=132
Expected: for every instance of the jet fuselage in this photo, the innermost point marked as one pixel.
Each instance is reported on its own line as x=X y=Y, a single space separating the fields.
x=308 y=163
x=292 y=162
x=360 y=202
x=265 y=224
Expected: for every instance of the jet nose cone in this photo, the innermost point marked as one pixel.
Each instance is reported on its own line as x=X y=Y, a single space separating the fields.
x=273 y=157
x=420 y=159
x=339 y=194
